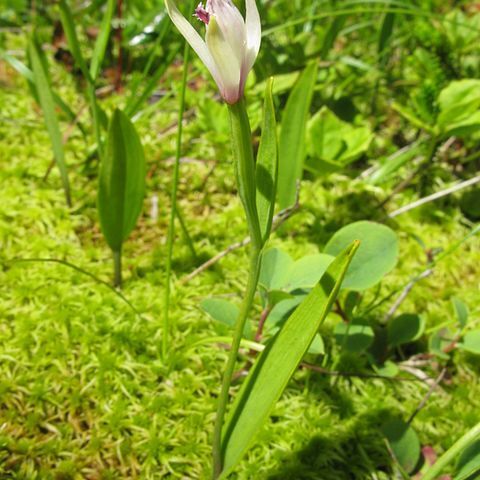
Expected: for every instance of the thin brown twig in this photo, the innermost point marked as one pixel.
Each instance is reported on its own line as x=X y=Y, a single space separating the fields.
x=417 y=373
x=405 y=293
x=427 y=396
x=332 y=373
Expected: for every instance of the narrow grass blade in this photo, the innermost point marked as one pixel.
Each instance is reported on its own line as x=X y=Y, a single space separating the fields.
x=26 y=73
x=121 y=181
x=102 y=40
x=45 y=98
x=277 y=363
x=68 y=25
x=135 y=101
x=267 y=166
x=292 y=136
x=385 y=35
x=332 y=34
x=167 y=327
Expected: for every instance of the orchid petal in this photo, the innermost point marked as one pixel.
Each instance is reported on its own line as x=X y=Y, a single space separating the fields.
x=226 y=62
x=195 y=40
x=232 y=25
x=254 y=33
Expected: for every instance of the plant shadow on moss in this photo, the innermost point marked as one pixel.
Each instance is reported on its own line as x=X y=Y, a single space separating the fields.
x=352 y=453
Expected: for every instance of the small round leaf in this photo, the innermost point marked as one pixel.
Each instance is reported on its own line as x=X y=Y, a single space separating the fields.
x=377 y=255
x=404 y=443
x=405 y=328
x=355 y=337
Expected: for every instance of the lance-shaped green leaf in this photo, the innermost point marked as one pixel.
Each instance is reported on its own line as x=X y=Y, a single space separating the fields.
x=102 y=40
x=121 y=181
x=267 y=166
x=291 y=153
x=277 y=363
x=68 y=25
x=46 y=100
x=26 y=73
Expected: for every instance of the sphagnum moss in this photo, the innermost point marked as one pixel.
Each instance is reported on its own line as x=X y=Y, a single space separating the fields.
x=83 y=391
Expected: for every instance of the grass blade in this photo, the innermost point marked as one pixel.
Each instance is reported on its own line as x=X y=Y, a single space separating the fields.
x=102 y=40
x=72 y=39
x=267 y=165
x=45 y=98
x=277 y=363
x=292 y=136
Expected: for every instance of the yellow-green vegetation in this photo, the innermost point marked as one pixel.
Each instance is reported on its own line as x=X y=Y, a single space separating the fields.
x=84 y=390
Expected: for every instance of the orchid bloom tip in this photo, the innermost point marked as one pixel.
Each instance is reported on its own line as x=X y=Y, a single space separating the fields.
x=231 y=42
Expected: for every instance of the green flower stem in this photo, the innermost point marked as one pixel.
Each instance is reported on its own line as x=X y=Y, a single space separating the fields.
x=245 y=171
x=117 y=269
x=456 y=449
x=255 y=256
x=241 y=137
x=173 y=210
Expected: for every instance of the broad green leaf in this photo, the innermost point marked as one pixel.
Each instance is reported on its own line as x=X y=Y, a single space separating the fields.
x=459 y=104
x=72 y=39
x=388 y=369
x=405 y=328
x=102 y=40
x=280 y=272
x=461 y=311
x=223 y=311
x=354 y=337
x=404 y=443
x=334 y=141
x=282 y=310
x=377 y=255
x=220 y=310
x=470 y=204
x=291 y=151
x=121 y=181
x=276 y=265
x=438 y=341
x=46 y=99
x=266 y=170
x=471 y=342
x=468 y=463
x=317 y=346
x=277 y=363
x=307 y=271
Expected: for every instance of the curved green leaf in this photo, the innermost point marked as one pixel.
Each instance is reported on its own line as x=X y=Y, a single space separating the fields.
x=267 y=166
x=291 y=152
x=46 y=99
x=121 y=181
x=277 y=363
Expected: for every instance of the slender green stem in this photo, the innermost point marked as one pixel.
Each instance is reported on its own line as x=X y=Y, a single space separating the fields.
x=241 y=137
x=117 y=268
x=245 y=167
x=458 y=447
x=255 y=256
x=173 y=210
x=186 y=234
x=92 y=100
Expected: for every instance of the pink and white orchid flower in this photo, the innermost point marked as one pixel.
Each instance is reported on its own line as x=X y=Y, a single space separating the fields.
x=231 y=43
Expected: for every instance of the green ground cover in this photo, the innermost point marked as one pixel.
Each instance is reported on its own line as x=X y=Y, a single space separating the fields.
x=84 y=392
